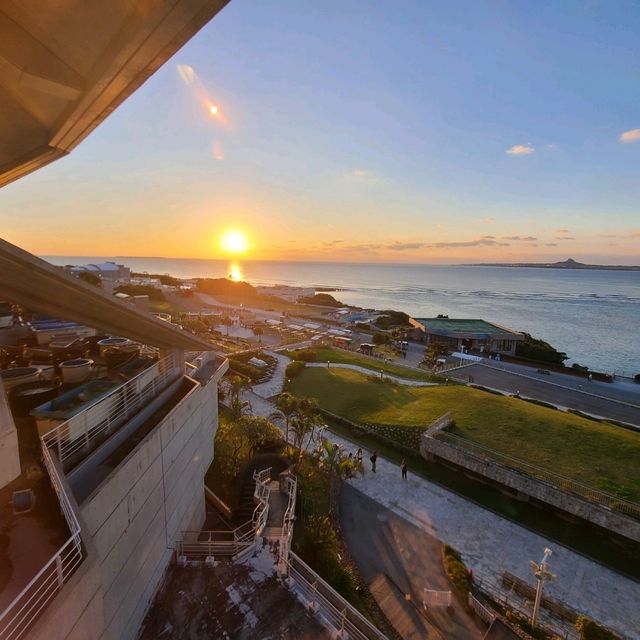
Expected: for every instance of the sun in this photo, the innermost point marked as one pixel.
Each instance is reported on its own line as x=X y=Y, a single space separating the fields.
x=233 y=242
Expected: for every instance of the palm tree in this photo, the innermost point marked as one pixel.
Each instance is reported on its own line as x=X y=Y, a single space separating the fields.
x=257 y=331
x=305 y=422
x=234 y=388
x=227 y=321
x=287 y=407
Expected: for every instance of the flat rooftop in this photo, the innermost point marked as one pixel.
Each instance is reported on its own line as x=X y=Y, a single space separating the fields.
x=466 y=328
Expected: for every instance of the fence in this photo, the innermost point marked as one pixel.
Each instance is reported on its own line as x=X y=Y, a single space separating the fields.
x=434 y=598
x=328 y=604
x=74 y=439
x=484 y=613
x=199 y=545
x=566 y=484
x=287 y=525
x=18 y=617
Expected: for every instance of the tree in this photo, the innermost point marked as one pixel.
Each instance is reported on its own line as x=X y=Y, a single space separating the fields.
x=233 y=390
x=380 y=338
x=434 y=351
x=287 y=406
x=305 y=422
x=258 y=331
x=341 y=467
x=227 y=322
x=258 y=433
x=91 y=278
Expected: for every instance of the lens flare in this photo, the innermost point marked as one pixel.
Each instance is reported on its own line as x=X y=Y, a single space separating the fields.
x=233 y=241
x=213 y=110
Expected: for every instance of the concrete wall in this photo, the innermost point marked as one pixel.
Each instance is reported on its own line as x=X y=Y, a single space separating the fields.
x=9 y=454
x=532 y=487
x=131 y=522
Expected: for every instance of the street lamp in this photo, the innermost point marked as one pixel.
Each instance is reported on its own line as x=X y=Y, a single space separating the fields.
x=541 y=573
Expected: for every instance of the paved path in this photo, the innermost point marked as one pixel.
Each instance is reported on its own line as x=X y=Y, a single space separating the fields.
x=390 y=549
x=273 y=386
x=490 y=544
x=374 y=372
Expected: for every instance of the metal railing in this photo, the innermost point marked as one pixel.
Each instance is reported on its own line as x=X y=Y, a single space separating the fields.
x=18 y=617
x=592 y=494
x=484 y=613
x=199 y=545
x=74 y=439
x=284 y=546
x=328 y=604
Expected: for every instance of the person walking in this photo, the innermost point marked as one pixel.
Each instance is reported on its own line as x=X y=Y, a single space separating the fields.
x=403 y=467
x=373 y=458
x=359 y=456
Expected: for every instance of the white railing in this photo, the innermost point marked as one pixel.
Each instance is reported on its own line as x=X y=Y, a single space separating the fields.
x=436 y=598
x=328 y=604
x=74 y=439
x=484 y=613
x=284 y=546
x=18 y=617
x=199 y=545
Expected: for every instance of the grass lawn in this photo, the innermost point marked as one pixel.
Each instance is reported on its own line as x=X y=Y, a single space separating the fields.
x=349 y=357
x=598 y=454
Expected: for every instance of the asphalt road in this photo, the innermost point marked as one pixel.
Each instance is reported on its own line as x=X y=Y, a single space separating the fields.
x=616 y=401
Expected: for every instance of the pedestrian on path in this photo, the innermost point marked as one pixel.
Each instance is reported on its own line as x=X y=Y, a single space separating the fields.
x=359 y=455
x=373 y=458
x=403 y=467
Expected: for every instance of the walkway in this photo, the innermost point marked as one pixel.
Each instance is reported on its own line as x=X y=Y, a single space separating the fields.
x=274 y=385
x=397 y=558
x=374 y=372
x=491 y=544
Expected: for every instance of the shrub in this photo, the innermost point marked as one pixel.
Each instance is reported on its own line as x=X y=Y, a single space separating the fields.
x=637 y=377
x=295 y=368
x=539 y=351
x=380 y=338
x=253 y=373
x=306 y=355
x=456 y=569
x=590 y=630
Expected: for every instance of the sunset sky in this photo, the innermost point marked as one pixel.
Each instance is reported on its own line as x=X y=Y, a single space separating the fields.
x=352 y=130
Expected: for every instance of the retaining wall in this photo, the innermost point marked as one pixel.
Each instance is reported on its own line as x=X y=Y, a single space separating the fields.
x=524 y=484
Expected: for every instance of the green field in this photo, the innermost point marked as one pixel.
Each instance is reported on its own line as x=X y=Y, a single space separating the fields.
x=350 y=357
x=598 y=454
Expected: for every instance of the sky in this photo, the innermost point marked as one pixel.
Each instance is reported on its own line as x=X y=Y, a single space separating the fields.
x=422 y=131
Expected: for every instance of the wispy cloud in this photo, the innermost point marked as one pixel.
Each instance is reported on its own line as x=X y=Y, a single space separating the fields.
x=488 y=237
x=562 y=230
x=520 y=150
x=520 y=238
x=565 y=238
x=403 y=246
x=481 y=242
x=551 y=244
x=485 y=220
x=633 y=135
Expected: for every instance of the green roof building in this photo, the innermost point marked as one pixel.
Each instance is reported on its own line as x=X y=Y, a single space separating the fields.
x=469 y=335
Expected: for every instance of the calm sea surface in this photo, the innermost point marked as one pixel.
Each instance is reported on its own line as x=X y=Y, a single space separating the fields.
x=594 y=316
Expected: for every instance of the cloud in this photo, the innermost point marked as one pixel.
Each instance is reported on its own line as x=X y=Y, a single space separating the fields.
x=551 y=244
x=488 y=237
x=333 y=243
x=485 y=220
x=359 y=173
x=403 y=246
x=482 y=242
x=520 y=150
x=565 y=238
x=520 y=238
x=552 y=145
x=187 y=73
x=562 y=230
x=633 y=135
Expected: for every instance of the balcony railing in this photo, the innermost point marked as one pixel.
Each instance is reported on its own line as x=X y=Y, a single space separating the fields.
x=76 y=438
x=18 y=617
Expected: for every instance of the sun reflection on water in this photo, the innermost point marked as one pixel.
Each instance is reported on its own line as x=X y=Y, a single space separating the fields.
x=235 y=272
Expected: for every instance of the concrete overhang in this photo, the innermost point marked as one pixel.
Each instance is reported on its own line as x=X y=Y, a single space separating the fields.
x=66 y=65
x=37 y=285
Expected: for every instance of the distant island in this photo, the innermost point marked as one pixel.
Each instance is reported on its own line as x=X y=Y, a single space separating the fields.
x=570 y=263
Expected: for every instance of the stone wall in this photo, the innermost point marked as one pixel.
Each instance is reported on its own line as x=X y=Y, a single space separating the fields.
x=527 y=485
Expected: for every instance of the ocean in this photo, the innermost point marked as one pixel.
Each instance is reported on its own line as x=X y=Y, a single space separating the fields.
x=594 y=316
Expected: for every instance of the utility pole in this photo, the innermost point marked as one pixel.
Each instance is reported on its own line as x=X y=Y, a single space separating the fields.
x=541 y=573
